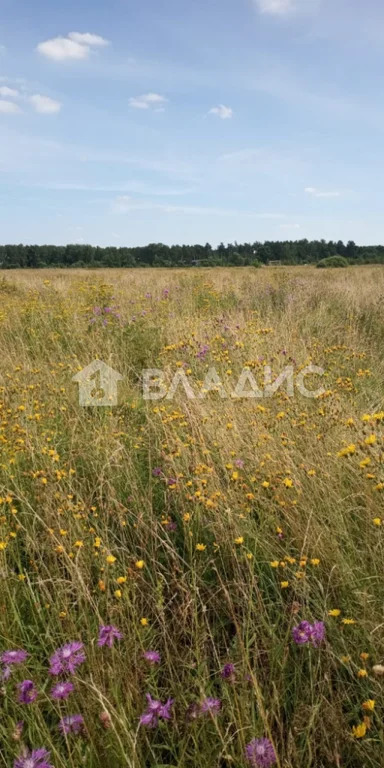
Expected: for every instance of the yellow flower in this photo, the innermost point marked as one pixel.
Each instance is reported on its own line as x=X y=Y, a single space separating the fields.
x=239 y=540
x=117 y=593
x=79 y=544
x=144 y=622
x=101 y=585
x=370 y=440
x=348 y=621
x=358 y=731
x=110 y=559
x=265 y=484
x=201 y=547
x=376 y=521
x=284 y=584
x=274 y=564
x=315 y=561
x=121 y=580
x=140 y=564
x=334 y=612
x=97 y=542
x=368 y=705
x=362 y=673
x=3 y=545
x=345 y=659
x=288 y=482
x=249 y=555
x=364 y=656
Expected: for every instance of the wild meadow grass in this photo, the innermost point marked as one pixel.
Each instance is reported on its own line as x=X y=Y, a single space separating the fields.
x=230 y=550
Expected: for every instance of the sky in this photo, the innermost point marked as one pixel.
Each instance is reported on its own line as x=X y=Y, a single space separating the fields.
x=134 y=121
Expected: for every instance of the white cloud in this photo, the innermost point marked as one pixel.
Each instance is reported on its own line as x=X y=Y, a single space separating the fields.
x=276 y=7
x=44 y=104
x=319 y=193
x=148 y=101
x=222 y=111
x=126 y=204
x=8 y=107
x=9 y=93
x=76 y=45
x=86 y=38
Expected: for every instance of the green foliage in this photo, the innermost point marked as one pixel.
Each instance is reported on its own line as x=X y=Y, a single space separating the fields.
x=333 y=261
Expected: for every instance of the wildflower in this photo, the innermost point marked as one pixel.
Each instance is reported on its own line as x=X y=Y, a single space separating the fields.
x=288 y=482
x=37 y=758
x=302 y=633
x=260 y=753
x=18 y=731
x=347 y=622
x=156 y=472
x=201 y=547
x=364 y=656
x=107 y=635
x=334 y=612
x=110 y=559
x=274 y=563
x=5 y=674
x=27 y=692
x=71 y=724
x=239 y=540
x=13 y=657
x=284 y=584
x=358 y=731
x=228 y=672
x=118 y=593
x=369 y=705
x=67 y=658
x=378 y=670
x=155 y=711
x=62 y=690
x=210 y=706
x=315 y=561
x=362 y=673
x=140 y=564
x=317 y=633
x=377 y=521
x=153 y=657
x=144 y=622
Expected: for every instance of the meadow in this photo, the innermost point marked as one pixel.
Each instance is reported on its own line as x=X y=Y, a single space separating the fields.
x=192 y=582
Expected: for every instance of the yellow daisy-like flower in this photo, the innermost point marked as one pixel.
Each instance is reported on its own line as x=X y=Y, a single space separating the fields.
x=362 y=673
x=358 y=731
x=284 y=584
x=334 y=612
x=144 y=622
x=376 y=521
x=347 y=622
x=110 y=559
x=274 y=563
x=239 y=540
x=201 y=547
x=140 y=564
x=369 y=705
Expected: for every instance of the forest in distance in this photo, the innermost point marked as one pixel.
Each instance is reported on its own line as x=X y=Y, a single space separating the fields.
x=80 y=255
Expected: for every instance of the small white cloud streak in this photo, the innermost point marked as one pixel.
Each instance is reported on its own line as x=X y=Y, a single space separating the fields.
x=225 y=113
x=148 y=101
x=9 y=107
x=44 y=105
x=76 y=46
x=313 y=192
x=8 y=93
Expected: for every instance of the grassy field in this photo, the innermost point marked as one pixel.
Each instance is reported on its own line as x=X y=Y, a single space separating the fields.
x=204 y=530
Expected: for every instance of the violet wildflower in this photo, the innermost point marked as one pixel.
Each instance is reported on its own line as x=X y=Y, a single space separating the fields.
x=155 y=711
x=37 y=758
x=107 y=635
x=5 y=674
x=228 y=672
x=317 y=633
x=302 y=633
x=210 y=706
x=13 y=657
x=62 y=690
x=27 y=692
x=156 y=471
x=67 y=658
x=260 y=753
x=71 y=724
x=152 y=656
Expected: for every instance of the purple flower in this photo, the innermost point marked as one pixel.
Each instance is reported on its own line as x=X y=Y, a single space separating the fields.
x=317 y=633
x=5 y=674
x=27 y=692
x=152 y=656
x=210 y=706
x=309 y=633
x=67 y=658
x=13 y=657
x=156 y=472
x=302 y=633
x=260 y=753
x=107 y=635
x=71 y=724
x=155 y=711
x=35 y=759
x=62 y=690
x=239 y=463
x=228 y=672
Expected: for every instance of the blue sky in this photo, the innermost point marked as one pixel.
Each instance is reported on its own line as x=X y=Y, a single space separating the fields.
x=135 y=121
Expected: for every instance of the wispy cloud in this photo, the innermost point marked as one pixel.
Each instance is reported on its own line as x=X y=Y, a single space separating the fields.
x=148 y=101
x=9 y=107
x=125 y=204
x=44 y=104
x=8 y=93
x=285 y=7
x=225 y=113
x=77 y=45
x=314 y=192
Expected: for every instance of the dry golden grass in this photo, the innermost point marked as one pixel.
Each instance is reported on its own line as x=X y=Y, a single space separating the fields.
x=292 y=481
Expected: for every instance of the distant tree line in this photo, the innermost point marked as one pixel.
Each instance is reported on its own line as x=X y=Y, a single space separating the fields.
x=160 y=255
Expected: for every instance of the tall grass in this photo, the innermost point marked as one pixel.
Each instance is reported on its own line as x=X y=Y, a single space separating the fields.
x=284 y=497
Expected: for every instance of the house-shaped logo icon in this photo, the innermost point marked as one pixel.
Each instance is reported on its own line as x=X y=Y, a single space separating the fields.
x=97 y=384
